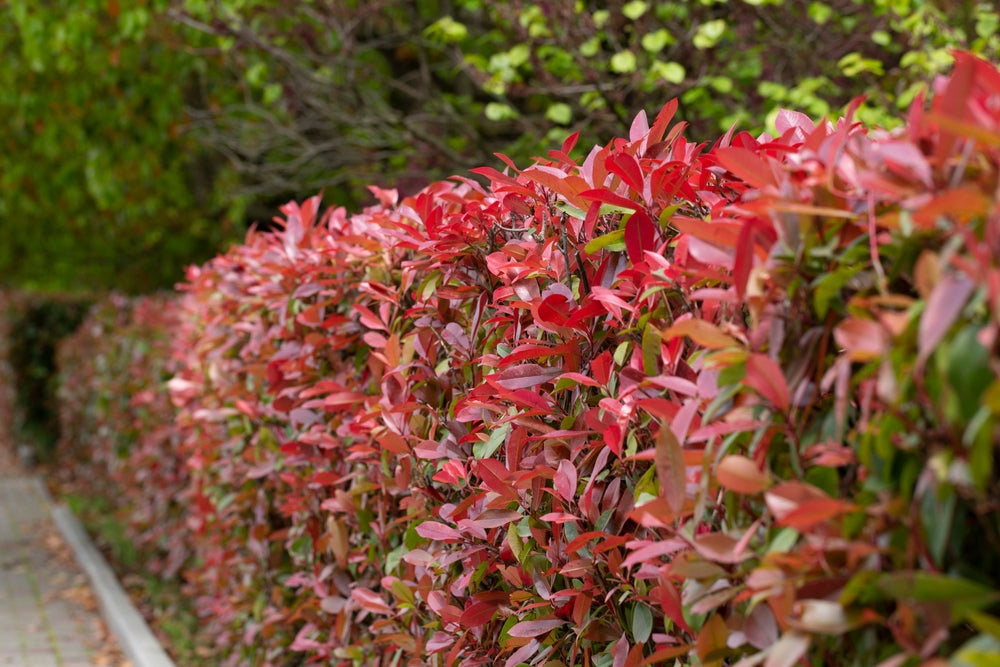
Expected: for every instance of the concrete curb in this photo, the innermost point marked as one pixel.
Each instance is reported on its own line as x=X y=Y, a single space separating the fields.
x=135 y=638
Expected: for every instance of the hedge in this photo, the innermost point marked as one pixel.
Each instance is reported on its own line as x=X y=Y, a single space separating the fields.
x=727 y=403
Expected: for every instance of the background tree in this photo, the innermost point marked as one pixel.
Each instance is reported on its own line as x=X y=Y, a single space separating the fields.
x=140 y=136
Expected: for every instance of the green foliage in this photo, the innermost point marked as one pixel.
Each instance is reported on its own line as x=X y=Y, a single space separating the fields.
x=98 y=187
x=137 y=136
x=33 y=325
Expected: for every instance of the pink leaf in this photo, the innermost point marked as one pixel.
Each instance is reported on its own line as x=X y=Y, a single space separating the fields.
x=525 y=375
x=371 y=601
x=534 y=628
x=435 y=530
x=565 y=480
x=741 y=475
x=862 y=340
x=944 y=305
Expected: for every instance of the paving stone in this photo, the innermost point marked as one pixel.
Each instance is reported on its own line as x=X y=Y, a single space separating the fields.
x=39 y=627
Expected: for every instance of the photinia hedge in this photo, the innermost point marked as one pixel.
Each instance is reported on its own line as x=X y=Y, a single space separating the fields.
x=714 y=404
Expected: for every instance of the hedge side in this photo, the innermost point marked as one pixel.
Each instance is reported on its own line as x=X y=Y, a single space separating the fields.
x=31 y=325
x=728 y=403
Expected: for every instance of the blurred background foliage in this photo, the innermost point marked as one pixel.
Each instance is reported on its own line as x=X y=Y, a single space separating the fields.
x=142 y=135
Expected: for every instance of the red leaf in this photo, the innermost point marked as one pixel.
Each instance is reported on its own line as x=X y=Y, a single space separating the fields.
x=747 y=166
x=606 y=196
x=743 y=262
x=764 y=375
x=640 y=235
x=479 y=613
x=670 y=603
x=534 y=628
x=662 y=121
x=627 y=167
x=670 y=469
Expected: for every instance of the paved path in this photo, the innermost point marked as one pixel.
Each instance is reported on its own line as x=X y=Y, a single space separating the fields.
x=48 y=616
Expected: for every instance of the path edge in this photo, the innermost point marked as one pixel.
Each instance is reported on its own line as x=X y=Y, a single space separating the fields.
x=135 y=639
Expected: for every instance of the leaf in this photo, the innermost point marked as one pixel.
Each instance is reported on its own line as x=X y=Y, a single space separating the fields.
x=930 y=587
x=627 y=168
x=862 y=340
x=747 y=166
x=943 y=307
x=765 y=376
x=371 y=601
x=959 y=205
x=613 y=241
x=741 y=475
x=711 y=642
x=670 y=469
x=435 y=530
x=642 y=623
x=564 y=480
x=719 y=548
x=525 y=375
x=812 y=512
x=640 y=236
x=479 y=613
x=605 y=196
x=701 y=332
x=788 y=650
x=985 y=623
x=820 y=617
x=534 y=628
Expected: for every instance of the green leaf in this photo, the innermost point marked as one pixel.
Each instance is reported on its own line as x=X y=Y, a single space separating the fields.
x=446 y=30
x=980 y=651
x=655 y=41
x=671 y=72
x=613 y=242
x=634 y=9
x=498 y=111
x=985 y=623
x=965 y=596
x=590 y=47
x=819 y=12
x=708 y=34
x=642 y=623
x=484 y=450
x=560 y=113
x=623 y=62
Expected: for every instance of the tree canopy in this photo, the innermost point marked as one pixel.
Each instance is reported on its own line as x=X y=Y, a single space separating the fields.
x=142 y=136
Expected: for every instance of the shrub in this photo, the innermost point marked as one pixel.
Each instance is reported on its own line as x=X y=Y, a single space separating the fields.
x=670 y=401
